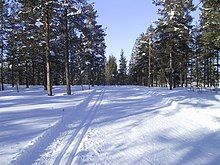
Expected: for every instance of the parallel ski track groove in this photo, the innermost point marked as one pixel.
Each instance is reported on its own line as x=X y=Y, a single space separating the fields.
x=47 y=138
x=83 y=128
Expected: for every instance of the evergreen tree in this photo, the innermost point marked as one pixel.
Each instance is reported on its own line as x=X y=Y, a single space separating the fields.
x=52 y=42
x=95 y=47
x=139 y=64
x=173 y=30
x=111 y=72
x=196 y=61
x=122 y=71
x=210 y=20
x=131 y=67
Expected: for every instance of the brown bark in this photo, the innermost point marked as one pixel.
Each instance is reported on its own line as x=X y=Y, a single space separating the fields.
x=26 y=75
x=67 y=72
x=47 y=52
x=149 y=63
x=1 y=55
x=171 y=72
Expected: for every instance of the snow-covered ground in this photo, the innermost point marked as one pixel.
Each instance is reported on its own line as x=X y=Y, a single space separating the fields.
x=110 y=125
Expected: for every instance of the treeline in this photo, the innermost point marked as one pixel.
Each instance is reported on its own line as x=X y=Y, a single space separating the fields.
x=116 y=74
x=174 y=52
x=50 y=42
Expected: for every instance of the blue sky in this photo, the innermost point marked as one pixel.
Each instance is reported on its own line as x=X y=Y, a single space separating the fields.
x=125 y=21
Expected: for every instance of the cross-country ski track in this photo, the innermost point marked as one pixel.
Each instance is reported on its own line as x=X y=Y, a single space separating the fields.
x=62 y=133
x=116 y=125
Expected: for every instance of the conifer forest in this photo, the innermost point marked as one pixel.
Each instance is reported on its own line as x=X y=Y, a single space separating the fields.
x=109 y=82
x=55 y=42
x=51 y=43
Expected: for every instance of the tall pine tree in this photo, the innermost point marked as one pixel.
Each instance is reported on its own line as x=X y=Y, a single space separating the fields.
x=122 y=71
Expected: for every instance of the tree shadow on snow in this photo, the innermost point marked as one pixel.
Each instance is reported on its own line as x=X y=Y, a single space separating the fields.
x=197 y=148
x=141 y=104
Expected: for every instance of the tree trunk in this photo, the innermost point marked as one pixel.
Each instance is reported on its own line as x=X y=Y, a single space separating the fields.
x=2 y=78
x=33 y=72
x=1 y=55
x=67 y=70
x=171 y=71
x=92 y=74
x=92 y=78
x=39 y=80
x=13 y=70
x=18 y=75
x=45 y=76
x=181 y=80
x=89 y=76
x=205 y=75
x=26 y=75
x=209 y=72
x=149 y=63
x=47 y=53
x=217 y=78
x=197 y=70
x=185 y=75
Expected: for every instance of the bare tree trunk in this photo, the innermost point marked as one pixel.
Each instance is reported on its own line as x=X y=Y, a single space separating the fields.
x=1 y=55
x=18 y=77
x=2 y=78
x=181 y=80
x=149 y=64
x=45 y=77
x=13 y=70
x=47 y=53
x=26 y=74
x=197 y=70
x=217 y=79
x=89 y=77
x=209 y=71
x=67 y=70
x=205 y=75
x=33 y=71
x=171 y=71
x=92 y=75
x=185 y=75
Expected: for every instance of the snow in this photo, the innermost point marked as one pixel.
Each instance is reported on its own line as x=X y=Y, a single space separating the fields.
x=109 y=125
x=176 y=28
x=65 y=4
x=39 y=24
x=98 y=56
x=172 y=13
x=74 y=13
x=71 y=14
x=52 y=53
x=89 y=50
x=87 y=63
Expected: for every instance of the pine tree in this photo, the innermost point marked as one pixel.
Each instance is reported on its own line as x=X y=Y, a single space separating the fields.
x=173 y=29
x=52 y=42
x=131 y=68
x=68 y=11
x=210 y=20
x=111 y=72
x=122 y=71
x=47 y=19
x=196 y=57
x=93 y=46
x=139 y=66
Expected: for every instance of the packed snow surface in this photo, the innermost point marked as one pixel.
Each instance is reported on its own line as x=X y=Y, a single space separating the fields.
x=109 y=125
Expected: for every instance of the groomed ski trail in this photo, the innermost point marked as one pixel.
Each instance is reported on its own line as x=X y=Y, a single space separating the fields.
x=70 y=149
x=124 y=125
x=149 y=126
x=59 y=144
